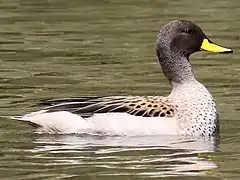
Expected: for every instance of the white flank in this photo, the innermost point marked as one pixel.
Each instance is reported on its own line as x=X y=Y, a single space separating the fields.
x=63 y=122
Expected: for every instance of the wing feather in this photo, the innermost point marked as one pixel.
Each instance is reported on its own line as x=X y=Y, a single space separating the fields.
x=150 y=106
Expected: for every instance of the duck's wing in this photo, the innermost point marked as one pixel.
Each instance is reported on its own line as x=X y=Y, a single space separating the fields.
x=149 y=106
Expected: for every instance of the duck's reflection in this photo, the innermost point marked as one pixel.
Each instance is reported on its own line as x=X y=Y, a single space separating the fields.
x=149 y=156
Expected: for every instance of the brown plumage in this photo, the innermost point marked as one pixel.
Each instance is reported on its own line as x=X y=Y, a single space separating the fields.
x=149 y=106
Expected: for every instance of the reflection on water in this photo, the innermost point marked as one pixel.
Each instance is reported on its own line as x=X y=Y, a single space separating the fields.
x=62 y=48
x=150 y=156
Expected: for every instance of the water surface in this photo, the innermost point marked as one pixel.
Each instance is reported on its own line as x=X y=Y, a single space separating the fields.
x=52 y=49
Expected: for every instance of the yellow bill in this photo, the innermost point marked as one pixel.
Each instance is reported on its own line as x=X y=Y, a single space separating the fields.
x=211 y=47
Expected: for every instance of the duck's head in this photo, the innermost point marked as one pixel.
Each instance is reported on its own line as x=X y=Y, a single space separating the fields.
x=184 y=38
x=176 y=41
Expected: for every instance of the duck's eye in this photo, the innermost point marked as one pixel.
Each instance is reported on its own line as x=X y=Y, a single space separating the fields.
x=188 y=31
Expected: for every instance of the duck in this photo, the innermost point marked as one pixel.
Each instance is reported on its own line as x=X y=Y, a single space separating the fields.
x=188 y=110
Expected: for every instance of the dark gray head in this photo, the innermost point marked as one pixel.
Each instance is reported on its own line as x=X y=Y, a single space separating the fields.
x=182 y=37
x=176 y=41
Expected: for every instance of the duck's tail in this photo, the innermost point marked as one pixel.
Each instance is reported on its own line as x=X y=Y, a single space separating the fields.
x=61 y=122
x=23 y=118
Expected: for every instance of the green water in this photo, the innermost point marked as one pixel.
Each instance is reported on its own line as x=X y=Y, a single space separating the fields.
x=61 y=48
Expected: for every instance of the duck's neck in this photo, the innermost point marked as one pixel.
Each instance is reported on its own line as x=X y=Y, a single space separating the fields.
x=190 y=90
x=176 y=67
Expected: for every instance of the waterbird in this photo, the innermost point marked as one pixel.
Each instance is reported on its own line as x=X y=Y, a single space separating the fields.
x=188 y=110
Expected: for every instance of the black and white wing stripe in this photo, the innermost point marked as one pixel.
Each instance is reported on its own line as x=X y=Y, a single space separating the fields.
x=151 y=106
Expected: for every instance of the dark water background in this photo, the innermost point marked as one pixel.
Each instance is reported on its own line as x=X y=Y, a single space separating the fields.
x=61 y=48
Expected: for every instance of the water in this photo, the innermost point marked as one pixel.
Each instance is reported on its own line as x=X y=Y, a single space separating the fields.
x=52 y=49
